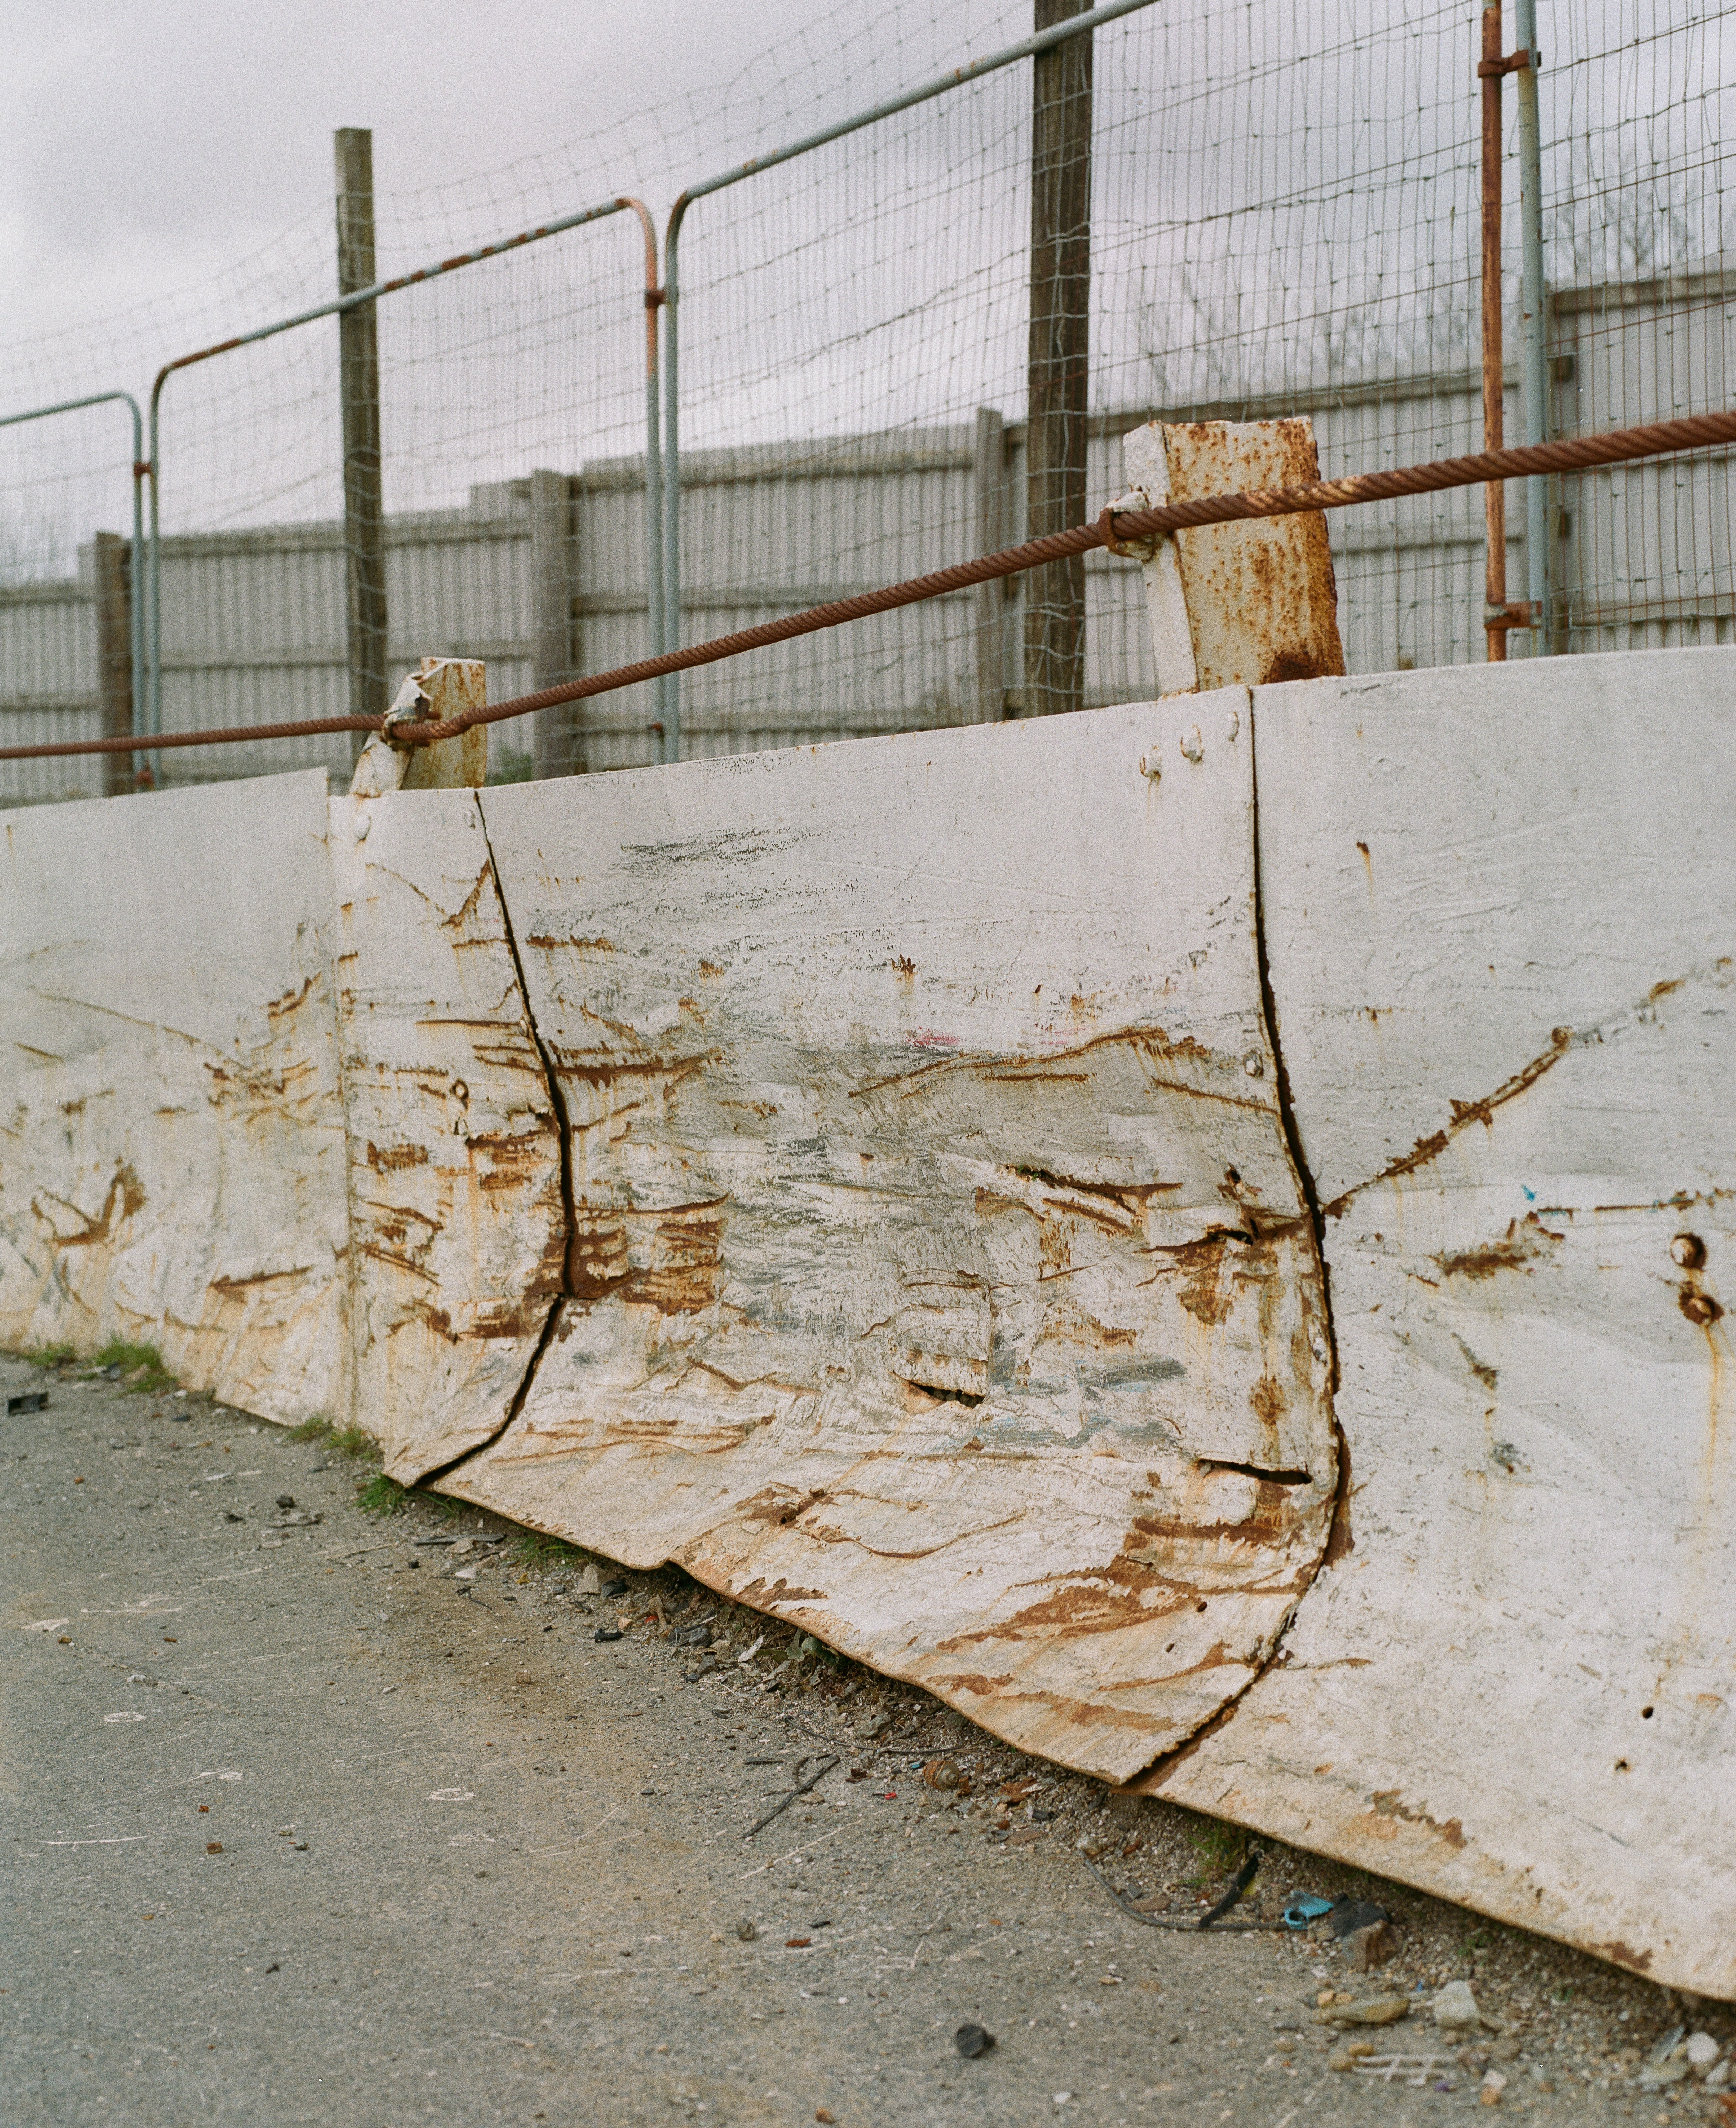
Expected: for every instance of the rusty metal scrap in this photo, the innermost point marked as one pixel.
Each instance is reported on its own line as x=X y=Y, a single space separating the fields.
x=1615 y=447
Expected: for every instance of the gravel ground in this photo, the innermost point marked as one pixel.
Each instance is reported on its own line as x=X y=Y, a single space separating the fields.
x=355 y=1818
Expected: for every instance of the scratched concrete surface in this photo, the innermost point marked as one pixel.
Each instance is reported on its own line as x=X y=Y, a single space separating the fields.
x=524 y=1864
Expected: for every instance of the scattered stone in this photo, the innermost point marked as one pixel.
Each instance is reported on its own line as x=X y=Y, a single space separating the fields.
x=1494 y=2083
x=1703 y=2051
x=1345 y=2057
x=1366 y=1948
x=1456 y=2007
x=1345 y=1918
x=1371 y=2010
x=615 y=1586
x=746 y=1932
x=972 y=2041
x=588 y=1584
x=214 y=1846
x=286 y=1499
x=1659 y=2076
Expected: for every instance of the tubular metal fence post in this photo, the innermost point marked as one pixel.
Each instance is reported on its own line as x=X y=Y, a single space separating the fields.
x=1494 y=383
x=672 y=687
x=154 y=722
x=1531 y=322
x=359 y=299
x=136 y=618
x=653 y=461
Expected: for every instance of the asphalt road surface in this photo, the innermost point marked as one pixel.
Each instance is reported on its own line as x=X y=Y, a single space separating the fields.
x=342 y=1820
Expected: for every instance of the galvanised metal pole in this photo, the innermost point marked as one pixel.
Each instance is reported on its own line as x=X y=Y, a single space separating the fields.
x=1532 y=372
x=335 y=308
x=653 y=462
x=1079 y=26
x=136 y=600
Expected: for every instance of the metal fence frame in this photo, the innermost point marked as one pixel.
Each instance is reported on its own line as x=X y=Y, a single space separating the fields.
x=336 y=308
x=1078 y=26
x=139 y=470
x=662 y=454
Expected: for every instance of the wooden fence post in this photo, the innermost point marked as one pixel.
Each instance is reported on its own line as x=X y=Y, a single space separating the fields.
x=358 y=371
x=990 y=482
x=115 y=655
x=1059 y=360
x=554 y=652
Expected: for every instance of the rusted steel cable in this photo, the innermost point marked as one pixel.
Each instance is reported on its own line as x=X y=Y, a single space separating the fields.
x=1113 y=528
x=231 y=735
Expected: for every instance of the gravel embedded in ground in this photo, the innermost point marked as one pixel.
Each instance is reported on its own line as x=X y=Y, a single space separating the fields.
x=317 y=1821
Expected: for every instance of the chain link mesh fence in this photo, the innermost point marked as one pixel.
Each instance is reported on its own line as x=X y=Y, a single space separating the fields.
x=1283 y=218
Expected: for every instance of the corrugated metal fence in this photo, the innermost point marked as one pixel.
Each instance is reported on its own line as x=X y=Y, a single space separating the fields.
x=544 y=577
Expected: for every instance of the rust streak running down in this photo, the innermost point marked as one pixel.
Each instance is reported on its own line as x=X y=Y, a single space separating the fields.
x=1615 y=447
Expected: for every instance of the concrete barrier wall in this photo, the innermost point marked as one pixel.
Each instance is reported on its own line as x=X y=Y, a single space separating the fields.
x=1194 y=1232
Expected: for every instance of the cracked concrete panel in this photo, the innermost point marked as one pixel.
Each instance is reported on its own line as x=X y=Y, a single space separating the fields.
x=1499 y=912
x=939 y=1279
x=171 y=1134
x=454 y=1149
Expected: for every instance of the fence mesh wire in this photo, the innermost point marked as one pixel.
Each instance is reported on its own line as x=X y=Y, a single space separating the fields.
x=1284 y=220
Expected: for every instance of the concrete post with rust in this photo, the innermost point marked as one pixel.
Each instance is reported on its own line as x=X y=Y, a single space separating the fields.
x=440 y=687
x=1249 y=602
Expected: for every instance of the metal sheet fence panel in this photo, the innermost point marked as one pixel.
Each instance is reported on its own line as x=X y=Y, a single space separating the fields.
x=1645 y=549
x=253 y=619
x=48 y=688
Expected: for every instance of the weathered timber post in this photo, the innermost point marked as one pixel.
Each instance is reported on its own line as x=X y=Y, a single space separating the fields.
x=988 y=481
x=554 y=654
x=358 y=374
x=1059 y=360
x=113 y=562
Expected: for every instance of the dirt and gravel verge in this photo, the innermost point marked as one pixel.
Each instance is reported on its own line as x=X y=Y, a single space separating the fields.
x=328 y=1811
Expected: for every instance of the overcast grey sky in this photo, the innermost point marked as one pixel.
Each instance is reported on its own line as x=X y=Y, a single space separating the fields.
x=143 y=149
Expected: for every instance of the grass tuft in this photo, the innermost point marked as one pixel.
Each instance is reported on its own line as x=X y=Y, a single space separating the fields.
x=50 y=1356
x=145 y=1361
x=534 y=1549
x=382 y=1495
x=350 y=1441
x=1219 y=1846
